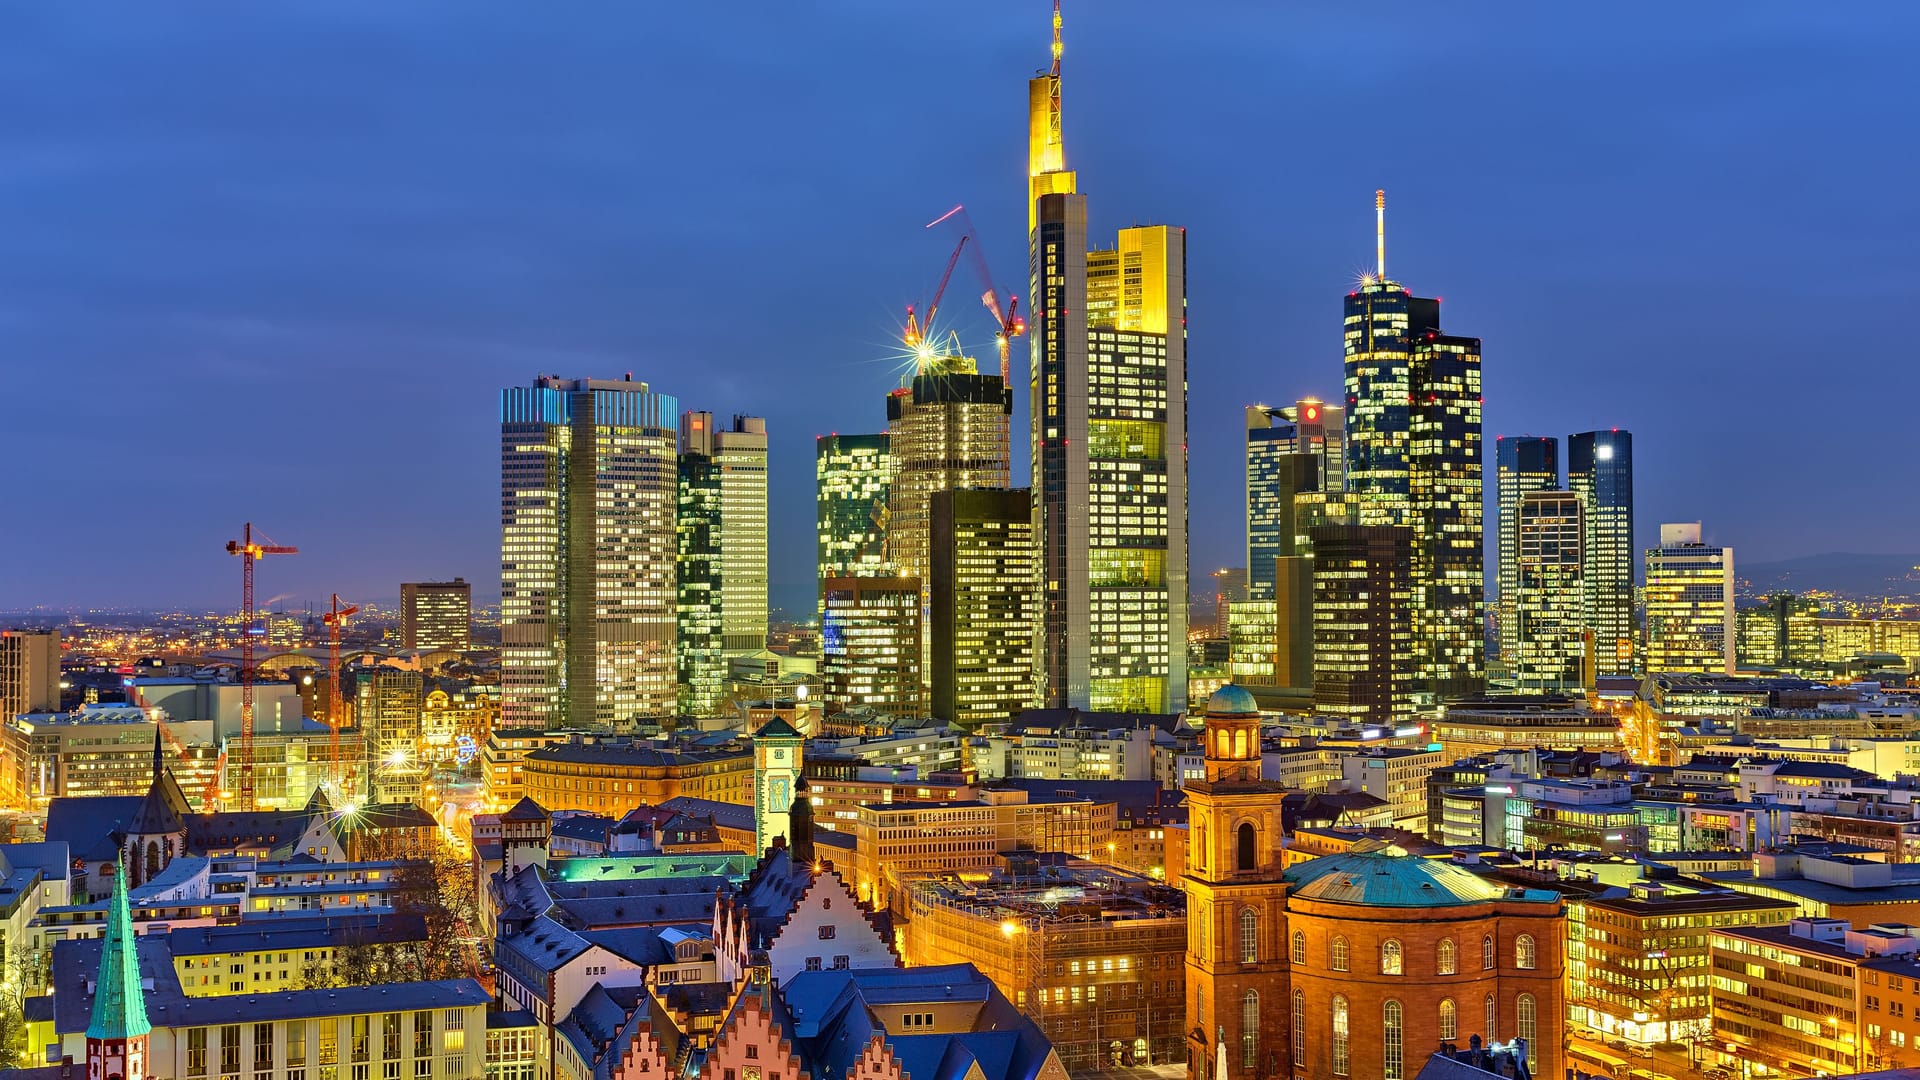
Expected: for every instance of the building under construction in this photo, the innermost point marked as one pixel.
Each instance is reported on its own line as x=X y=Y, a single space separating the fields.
x=1095 y=956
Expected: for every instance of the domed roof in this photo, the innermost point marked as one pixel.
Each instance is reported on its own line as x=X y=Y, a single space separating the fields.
x=1391 y=878
x=1231 y=700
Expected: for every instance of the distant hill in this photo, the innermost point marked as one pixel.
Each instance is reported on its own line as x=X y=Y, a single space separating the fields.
x=1845 y=573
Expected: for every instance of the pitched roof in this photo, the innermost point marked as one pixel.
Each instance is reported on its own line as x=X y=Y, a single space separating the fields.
x=525 y=810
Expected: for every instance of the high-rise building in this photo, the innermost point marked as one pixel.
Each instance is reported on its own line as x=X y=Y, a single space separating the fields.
x=1286 y=457
x=851 y=476
x=1522 y=463
x=870 y=644
x=29 y=672
x=699 y=631
x=1548 y=602
x=947 y=431
x=1362 y=631
x=1689 y=604
x=387 y=708
x=1600 y=471
x=1447 y=504
x=1413 y=459
x=983 y=605
x=589 y=492
x=739 y=453
x=436 y=614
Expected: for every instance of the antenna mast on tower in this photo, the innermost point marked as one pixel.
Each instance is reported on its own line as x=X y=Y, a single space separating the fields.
x=1380 y=233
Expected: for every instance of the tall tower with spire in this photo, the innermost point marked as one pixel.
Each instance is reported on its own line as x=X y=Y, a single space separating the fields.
x=1108 y=398
x=117 y=1030
x=1414 y=460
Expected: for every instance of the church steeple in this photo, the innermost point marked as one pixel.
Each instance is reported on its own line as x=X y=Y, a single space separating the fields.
x=117 y=1031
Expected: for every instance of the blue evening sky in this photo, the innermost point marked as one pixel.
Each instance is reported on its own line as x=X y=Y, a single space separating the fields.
x=275 y=260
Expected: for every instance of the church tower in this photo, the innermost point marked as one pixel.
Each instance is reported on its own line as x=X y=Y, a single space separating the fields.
x=776 y=776
x=1237 y=977
x=157 y=832
x=117 y=1030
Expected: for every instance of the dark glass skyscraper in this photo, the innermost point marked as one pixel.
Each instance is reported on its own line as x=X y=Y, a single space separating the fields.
x=1362 y=639
x=1522 y=464
x=852 y=477
x=1446 y=511
x=699 y=639
x=1600 y=471
x=1299 y=448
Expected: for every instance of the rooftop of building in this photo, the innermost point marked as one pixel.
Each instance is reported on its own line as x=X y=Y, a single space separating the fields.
x=1389 y=877
x=629 y=754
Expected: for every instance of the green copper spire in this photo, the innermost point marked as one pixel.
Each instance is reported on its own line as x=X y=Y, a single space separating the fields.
x=119 y=1008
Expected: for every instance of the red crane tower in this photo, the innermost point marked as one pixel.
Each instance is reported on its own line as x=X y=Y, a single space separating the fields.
x=916 y=330
x=335 y=619
x=1007 y=321
x=249 y=550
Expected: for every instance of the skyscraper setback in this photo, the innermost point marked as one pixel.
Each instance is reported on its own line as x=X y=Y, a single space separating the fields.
x=1291 y=450
x=588 y=502
x=1600 y=471
x=1109 y=441
x=1414 y=460
x=739 y=456
x=947 y=431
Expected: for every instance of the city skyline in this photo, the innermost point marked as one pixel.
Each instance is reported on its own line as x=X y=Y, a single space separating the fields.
x=317 y=340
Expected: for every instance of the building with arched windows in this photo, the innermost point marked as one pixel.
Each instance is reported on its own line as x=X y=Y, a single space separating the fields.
x=1353 y=965
x=1391 y=955
x=1236 y=903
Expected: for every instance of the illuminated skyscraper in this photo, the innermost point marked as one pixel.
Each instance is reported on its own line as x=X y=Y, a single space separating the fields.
x=1362 y=633
x=1689 y=604
x=589 y=491
x=983 y=606
x=870 y=644
x=700 y=640
x=1548 y=611
x=1414 y=459
x=436 y=614
x=1522 y=464
x=851 y=476
x=1301 y=447
x=1109 y=442
x=947 y=432
x=739 y=453
x=1600 y=471
x=29 y=672
x=1447 y=507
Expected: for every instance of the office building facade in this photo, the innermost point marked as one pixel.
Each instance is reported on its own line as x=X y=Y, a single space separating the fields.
x=948 y=430
x=1447 y=507
x=739 y=454
x=29 y=672
x=1109 y=380
x=1278 y=472
x=1522 y=464
x=589 y=491
x=700 y=654
x=1549 y=602
x=984 y=605
x=1690 y=624
x=852 y=476
x=437 y=615
x=1362 y=631
x=870 y=644
x=1600 y=471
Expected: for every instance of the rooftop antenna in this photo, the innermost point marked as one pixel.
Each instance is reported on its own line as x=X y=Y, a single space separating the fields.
x=1380 y=233
x=1057 y=49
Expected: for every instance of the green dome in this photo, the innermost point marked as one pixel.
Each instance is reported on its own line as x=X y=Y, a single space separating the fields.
x=1392 y=878
x=1231 y=700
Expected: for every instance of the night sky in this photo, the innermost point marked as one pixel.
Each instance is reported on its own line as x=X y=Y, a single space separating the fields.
x=274 y=261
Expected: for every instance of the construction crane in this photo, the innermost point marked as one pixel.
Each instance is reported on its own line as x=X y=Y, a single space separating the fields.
x=249 y=550
x=1007 y=321
x=916 y=331
x=335 y=618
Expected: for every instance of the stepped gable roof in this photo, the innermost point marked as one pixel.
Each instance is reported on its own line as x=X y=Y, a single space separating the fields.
x=1003 y=1043
x=603 y=1024
x=1389 y=877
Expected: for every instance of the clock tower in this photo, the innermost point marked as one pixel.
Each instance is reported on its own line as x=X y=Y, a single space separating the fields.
x=1237 y=975
x=776 y=776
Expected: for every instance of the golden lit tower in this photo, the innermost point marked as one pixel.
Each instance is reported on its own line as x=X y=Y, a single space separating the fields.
x=1109 y=443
